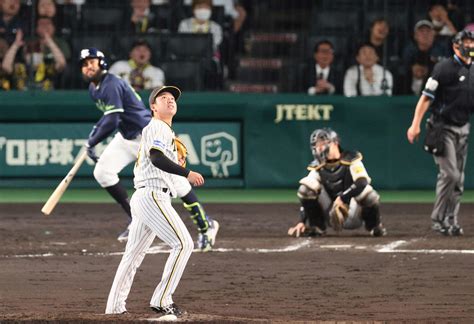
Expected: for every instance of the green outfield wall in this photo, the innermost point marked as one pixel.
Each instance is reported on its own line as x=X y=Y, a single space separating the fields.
x=239 y=140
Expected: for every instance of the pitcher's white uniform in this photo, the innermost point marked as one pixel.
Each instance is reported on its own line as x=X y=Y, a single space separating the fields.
x=153 y=215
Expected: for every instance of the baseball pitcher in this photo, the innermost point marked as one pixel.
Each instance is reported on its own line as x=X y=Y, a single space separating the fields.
x=153 y=214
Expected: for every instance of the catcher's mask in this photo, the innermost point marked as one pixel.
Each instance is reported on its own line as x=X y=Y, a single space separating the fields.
x=324 y=137
x=458 y=39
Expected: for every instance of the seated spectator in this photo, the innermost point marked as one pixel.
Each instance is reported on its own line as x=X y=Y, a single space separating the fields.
x=367 y=78
x=5 y=80
x=323 y=78
x=142 y=20
x=64 y=24
x=46 y=8
x=13 y=70
x=201 y=23
x=419 y=75
x=137 y=70
x=233 y=40
x=424 y=45
x=441 y=21
x=455 y=14
x=10 y=21
x=45 y=54
x=231 y=9
x=378 y=36
x=238 y=18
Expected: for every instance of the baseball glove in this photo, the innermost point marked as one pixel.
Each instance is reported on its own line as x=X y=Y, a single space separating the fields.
x=182 y=152
x=338 y=216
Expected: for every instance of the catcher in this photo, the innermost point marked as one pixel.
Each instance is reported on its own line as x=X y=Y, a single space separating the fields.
x=337 y=191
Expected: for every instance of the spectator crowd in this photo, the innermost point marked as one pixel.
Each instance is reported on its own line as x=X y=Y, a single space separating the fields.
x=198 y=43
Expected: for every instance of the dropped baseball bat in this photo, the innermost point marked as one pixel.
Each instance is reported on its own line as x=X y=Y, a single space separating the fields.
x=59 y=191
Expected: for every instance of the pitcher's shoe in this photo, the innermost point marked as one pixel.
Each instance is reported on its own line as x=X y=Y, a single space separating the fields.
x=207 y=240
x=168 y=313
x=123 y=237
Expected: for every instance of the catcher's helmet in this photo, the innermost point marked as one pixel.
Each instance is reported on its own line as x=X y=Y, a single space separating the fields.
x=93 y=53
x=322 y=134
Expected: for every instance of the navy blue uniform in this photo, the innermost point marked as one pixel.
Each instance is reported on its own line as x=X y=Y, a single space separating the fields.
x=125 y=112
x=114 y=95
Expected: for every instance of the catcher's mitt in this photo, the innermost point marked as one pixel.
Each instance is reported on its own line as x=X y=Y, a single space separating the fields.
x=338 y=216
x=182 y=152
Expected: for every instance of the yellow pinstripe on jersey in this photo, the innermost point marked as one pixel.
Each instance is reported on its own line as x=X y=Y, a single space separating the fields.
x=179 y=235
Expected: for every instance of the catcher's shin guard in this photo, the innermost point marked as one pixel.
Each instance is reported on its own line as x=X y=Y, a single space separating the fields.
x=369 y=199
x=198 y=215
x=371 y=216
x=312 y=214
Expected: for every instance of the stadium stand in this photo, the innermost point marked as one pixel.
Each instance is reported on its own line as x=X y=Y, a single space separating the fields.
x=272 y=53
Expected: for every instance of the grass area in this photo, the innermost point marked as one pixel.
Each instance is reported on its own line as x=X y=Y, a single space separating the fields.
x=209 y=196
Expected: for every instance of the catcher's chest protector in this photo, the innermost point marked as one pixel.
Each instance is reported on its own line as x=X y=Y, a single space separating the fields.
x=335 y=179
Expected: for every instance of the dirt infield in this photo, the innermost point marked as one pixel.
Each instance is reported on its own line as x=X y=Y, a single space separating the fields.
x=60 y=268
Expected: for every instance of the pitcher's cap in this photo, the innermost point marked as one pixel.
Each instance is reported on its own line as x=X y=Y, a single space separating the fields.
x=171 y=89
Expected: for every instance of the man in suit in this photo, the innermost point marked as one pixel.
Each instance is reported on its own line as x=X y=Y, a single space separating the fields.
x=323 y=78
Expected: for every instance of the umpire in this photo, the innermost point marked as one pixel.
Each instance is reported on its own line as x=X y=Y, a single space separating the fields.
x=449 y=95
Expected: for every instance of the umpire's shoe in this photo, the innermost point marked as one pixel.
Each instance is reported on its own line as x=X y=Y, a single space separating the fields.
x=456 y=230
x=453 y=230
x=440 y=228
x=168 y=313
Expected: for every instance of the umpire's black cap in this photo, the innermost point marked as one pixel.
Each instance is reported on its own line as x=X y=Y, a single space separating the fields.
x=171 y=89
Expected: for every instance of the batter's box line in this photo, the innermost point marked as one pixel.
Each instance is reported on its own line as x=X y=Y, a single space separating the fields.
x=392 y=248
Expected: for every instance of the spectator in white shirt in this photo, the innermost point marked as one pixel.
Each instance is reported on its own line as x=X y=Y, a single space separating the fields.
x=234 y=10
x=367 y=78
x=202 y=23
x=138 y=70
